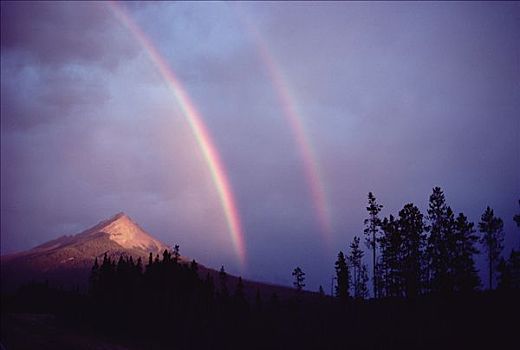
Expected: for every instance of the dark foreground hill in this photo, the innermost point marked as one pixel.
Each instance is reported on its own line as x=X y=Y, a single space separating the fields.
x=60 y=320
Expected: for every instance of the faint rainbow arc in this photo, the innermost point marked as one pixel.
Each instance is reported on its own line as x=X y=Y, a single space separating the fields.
x=303 y=143
x=197 y=127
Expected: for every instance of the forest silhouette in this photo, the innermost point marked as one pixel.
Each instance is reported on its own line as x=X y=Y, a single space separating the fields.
x=426 y=293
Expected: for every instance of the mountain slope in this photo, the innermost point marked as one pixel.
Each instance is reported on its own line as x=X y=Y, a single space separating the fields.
x=68 y=259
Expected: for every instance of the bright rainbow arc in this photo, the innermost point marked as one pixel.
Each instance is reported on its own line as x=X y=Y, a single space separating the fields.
x=287 y=101
x=198 y=128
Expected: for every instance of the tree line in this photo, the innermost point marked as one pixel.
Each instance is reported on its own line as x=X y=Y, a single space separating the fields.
x=415 y=254
x=166 y=302
x=417 y=259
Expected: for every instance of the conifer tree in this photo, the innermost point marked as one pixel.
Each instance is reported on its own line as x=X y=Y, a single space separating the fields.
x=359 y=270
x=411 y=227
x=440 y=243
x=491 y=227
x=465 y=274
x=391 y=243
x=342 y=277
x=372 y=224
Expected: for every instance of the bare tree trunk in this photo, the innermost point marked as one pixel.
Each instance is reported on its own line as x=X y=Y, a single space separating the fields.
x=490 y=272
x=374 y=262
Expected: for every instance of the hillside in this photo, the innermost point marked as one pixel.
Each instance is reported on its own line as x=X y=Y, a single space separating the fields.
x=67 y=260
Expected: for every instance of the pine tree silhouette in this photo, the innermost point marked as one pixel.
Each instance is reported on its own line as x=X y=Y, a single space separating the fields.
x=465 y=274
x=342 y=277
x=391 y=244
x=492 y=238
x=372 y=225
x=411 y=227
x=441 y=222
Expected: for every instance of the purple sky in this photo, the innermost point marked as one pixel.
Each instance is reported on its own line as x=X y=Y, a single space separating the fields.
x=396 y=98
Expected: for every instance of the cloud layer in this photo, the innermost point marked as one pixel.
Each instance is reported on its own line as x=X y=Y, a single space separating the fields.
x=395 y=99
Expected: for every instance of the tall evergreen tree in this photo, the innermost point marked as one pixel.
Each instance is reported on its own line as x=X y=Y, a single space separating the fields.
x=465 y=274
x=342 y=277
x=440 y=242
x=391 y=243
x=372 y=224
x=411 y=227
x=491 y=227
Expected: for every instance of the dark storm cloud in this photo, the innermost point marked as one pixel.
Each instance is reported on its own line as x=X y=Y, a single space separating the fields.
x=35 y=95
x=61 y=33
x=55 y=60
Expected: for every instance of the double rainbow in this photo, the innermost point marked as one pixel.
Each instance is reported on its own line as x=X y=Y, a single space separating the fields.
x=203 y=139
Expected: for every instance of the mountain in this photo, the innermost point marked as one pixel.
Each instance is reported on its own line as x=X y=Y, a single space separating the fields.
x=67 y=260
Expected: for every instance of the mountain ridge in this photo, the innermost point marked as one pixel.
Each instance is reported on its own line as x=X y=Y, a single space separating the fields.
x=68 y=259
